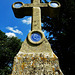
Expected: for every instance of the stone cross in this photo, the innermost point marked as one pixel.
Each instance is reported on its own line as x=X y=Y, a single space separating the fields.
x=35 y=9
x=36 y=56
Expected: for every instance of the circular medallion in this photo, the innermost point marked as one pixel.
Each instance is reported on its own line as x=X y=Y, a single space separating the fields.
x=36 y=37
x=17 y=5
x=54 y=4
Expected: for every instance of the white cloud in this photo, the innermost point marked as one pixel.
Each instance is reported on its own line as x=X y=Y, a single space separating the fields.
x=27 y=21
x=10 y=34
x=15 y=31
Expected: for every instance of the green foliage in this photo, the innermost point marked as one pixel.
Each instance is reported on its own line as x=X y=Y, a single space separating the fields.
x=8 y=49
x=63 y=30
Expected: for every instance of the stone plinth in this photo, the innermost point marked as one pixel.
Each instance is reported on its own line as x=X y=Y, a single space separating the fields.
x=36 y=60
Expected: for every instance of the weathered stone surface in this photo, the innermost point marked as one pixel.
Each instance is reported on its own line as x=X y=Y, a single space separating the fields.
x=35 y=58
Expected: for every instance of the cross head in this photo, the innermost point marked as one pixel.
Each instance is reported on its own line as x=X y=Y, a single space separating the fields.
x=36 y=9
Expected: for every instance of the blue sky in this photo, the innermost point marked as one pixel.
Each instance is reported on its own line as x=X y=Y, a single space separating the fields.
x=11 y=25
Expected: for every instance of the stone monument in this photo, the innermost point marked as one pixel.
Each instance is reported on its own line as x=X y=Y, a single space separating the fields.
x=36 y=56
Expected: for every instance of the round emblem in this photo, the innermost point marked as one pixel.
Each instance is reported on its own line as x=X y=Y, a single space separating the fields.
x=17 y=5
x=54 y=4
x=36 y=37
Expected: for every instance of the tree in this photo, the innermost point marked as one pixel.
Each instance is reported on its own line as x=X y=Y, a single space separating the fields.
x=8 y=49
x=62 y=28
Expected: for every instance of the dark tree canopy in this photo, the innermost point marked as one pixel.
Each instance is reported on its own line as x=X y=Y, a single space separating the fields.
x=63 y=30
x=8 y=49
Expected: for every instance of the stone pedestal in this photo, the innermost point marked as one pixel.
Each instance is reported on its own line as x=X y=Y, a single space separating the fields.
x=36 y=60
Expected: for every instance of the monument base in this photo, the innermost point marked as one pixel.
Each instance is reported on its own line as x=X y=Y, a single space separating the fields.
x=36 y=60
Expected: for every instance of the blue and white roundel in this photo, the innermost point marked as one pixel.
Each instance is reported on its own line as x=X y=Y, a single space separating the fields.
x=36 y=37
x=17 y=5
x=54 y=4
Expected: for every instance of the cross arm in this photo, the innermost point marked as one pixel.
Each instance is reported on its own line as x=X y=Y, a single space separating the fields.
x=36 y=5
x=26 y=9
